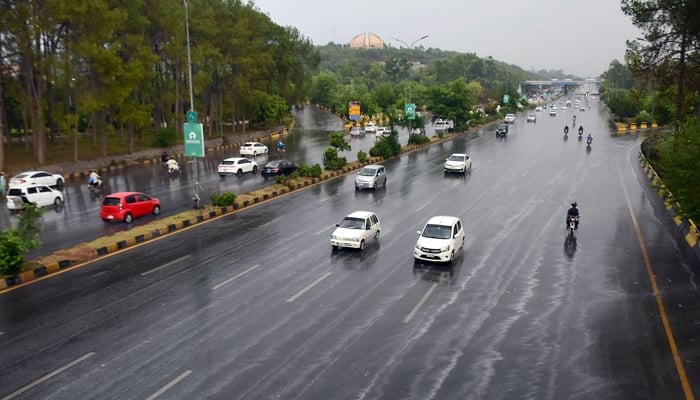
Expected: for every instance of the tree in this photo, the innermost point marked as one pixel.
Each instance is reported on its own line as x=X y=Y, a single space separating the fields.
x=670 y=41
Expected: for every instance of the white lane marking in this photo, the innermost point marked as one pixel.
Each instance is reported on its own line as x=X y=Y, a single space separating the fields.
x=423 y=206
x=269 y=222
x=47 y=377
x=324 y=229
x=308 y=287
x=420 y=304
x=166 y=265
x=169 y=385
x=227 y=281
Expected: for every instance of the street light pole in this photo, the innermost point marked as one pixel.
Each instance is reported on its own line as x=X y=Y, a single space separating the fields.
x=189 y=69
x=410 y=47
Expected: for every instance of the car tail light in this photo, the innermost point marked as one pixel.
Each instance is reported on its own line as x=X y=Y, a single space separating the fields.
x=275 y=169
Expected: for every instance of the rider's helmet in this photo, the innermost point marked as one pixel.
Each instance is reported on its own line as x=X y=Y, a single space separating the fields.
x=573 y=204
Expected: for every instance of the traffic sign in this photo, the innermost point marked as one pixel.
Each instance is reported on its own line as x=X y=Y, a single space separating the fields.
x=194 y=140
x=192 y=117
x=409 y=110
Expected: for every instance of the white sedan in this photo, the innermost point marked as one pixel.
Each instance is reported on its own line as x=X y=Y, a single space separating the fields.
x=237 y=166
x=37 y=178
x=458 y=162
x=253 y=149
x=355 y=230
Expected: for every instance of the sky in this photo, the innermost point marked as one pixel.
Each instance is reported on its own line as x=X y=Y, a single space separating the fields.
x=578 y=37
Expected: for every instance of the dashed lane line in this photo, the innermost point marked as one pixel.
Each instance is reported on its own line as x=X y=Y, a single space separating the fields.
x=227 y=281
x=166 y=265
x=308 y=287
x=169 y=385
x=420 y=304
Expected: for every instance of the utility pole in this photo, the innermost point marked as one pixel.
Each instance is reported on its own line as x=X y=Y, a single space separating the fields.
x=410 y=47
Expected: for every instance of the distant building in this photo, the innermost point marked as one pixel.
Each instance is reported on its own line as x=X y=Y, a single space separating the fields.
x=366 y=40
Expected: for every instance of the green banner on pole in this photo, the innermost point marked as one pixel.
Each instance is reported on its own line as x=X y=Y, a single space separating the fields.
x=409 y=110
x=194 y=140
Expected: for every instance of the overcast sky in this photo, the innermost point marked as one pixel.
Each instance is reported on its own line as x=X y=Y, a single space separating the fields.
x=579 y=37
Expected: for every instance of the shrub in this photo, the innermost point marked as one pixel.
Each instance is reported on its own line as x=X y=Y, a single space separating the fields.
x=316 y=170
x=386 y=147
x=282 y=179
x=331 y=161
x=165 y=137
x=362 y=156
x=418 y=139
x=11 y=252
x=223 y=199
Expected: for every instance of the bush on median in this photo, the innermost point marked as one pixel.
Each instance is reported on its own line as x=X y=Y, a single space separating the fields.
x=223 y=199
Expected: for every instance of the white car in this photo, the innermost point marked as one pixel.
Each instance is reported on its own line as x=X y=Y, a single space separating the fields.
x=552 y=112
x=371 y=177
x=538 y=109
x=37 y=178
x=39 y=195
x=458 y=162
x=253 y=149
x=440 y=240
x=237 y=166
x=440 y=126
x=532 y=118
x=509 y=119
x=370 y=127
x=356 y=230
x=381 y=131
x=356 y=131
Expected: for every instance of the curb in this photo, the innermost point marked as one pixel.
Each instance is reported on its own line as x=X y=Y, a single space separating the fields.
x=627 y=128
x=242 y=201
x=686 y=225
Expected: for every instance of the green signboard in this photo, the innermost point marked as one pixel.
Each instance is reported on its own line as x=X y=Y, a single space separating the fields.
x=192 y=117
x=409 y=110
x=506 y=99
x=194 y=140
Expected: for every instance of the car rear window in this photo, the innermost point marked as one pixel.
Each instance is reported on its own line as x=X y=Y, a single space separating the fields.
x=227 y=163
x=14 y=192
x=111 y=201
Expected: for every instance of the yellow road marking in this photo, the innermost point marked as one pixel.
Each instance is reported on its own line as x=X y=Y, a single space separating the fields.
x=687 y=390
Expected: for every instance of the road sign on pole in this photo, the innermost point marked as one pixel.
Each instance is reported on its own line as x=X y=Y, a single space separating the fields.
x=192 y=117
x=409 y=110
x=194 y=140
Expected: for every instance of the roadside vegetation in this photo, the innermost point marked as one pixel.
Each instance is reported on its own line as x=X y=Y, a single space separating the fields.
x=660 y=82
x=14 y=243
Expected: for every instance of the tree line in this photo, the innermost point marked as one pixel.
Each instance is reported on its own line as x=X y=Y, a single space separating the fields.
x=120 y=67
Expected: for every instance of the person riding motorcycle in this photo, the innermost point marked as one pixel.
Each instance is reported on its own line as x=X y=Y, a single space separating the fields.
x=164 y=158
x=572 y=213
x=580 y=130
x=566 y=129
x=173 y=166
x=574 y=120
x=94 y=179
x=280 y=147
x=589 y=139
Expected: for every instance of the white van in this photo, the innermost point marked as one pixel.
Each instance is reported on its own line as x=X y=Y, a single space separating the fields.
x=39 y=195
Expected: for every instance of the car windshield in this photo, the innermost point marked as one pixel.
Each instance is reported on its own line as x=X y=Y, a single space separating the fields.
x=352 y=223
x=437 y=231
x=368 y=172
x=456 y=158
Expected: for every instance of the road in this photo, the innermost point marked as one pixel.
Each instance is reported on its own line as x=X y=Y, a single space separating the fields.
x=78 y=221
x=256 y=306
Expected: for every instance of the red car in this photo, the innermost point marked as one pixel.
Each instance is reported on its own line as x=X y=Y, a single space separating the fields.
x=125 y=206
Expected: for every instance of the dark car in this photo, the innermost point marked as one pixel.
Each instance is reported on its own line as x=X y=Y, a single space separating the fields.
x=502 y=130
x=278 y=167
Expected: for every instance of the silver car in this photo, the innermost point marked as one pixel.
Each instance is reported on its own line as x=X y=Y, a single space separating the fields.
x=371 y=177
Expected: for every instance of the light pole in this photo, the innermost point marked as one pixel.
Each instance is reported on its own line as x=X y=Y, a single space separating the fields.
x=410 y=47
x=189 y=70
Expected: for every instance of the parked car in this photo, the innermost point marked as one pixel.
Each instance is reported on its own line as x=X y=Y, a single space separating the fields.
x=356 y=131
x=501 y=130
x=37 y=178
x=532 y=118
x=253 y=149
x=509 y=119
x=356 y=230
x=458 y=162
x=237 y=165
x=370 y=127
x=371 y=177
x=39 y=195
x=439 y=240
x=278 y=167
x=125 y=206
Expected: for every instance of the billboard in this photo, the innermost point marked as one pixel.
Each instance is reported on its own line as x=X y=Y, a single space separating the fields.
x=354 y=110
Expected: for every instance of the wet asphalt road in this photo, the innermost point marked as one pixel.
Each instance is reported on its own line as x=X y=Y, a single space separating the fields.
x=256 y=306
x=78 y=221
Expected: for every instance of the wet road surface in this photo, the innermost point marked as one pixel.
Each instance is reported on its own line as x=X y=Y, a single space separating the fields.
x=256 y=306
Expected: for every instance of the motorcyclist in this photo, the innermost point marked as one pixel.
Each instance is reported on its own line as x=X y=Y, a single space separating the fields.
x=280 y=147
x=566 y=129
x=172 y=165
x=164 y=158
x=94 y=178
x=589 y=139
x=572 y=212
x=574 y=120
x=580 y=130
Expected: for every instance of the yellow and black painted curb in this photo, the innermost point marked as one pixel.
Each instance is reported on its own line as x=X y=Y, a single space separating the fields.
x=629 y=128
x=686 y=225
x=242 y=201
x=155 y=158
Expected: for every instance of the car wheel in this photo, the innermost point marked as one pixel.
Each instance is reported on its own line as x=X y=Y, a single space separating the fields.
x=255 y=154
x=239 y=172
x=255 y=169
x=452 y=256
x=59 y=183
x=334 y=248
x=57 y=202
x=357 y=188
x=128 y=218
x=362 y=245
x=376 y=236
x=156 y=210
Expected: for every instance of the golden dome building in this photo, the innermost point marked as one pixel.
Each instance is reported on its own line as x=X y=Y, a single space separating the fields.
x=366 y=40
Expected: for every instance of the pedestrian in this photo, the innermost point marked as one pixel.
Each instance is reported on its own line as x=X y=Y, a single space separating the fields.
x=3 y=186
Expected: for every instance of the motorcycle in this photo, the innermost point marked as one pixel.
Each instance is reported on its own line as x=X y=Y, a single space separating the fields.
x=96 y=186
x=173 y=168
x=571 y=225
x=566 y=130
